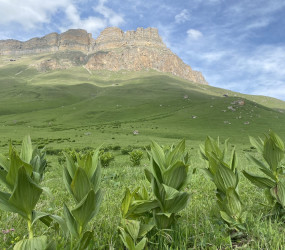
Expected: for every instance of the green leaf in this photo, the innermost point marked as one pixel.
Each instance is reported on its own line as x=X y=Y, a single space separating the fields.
x=176 y=154
x=157 y=154
x=4 y=162
x=256 y=144
x=70 y=165
x=70 y=222
x=227 y=218
x=88 y=207
x=133 y=228
x=272 y=154
x=142 y=206
x=277 y=140
x=177 y=203
x=262 y=167
x=170 y=192
x=225 y=178
x=145 y=228
x=3 y=175
x=5 y=205
x=141 y=244
x=233 y=202
x=176 y=175
x=16 y=163
x=258 y=181
x=38 y=243
x=208 y=173
x=80 y=184
x=148 y=175
x=96 y=178
x=26 y=193
x=85 y=240
x=279 y=193
x=27 y=149
x=127 y=239
x=126 y=202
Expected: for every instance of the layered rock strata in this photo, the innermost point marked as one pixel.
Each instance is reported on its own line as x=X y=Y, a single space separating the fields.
x=113 y=50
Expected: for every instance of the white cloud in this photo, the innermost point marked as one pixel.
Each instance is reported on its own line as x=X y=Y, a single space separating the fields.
x=29 y=14
x=194 y=34
x=182 y=17
x=113 y=18
x=91 y=24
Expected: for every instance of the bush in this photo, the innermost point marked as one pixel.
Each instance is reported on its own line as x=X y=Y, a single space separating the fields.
x=106 y=158
x=136 y=156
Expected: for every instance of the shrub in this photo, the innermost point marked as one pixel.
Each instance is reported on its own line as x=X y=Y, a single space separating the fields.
x=136 y=157
x=106 y=158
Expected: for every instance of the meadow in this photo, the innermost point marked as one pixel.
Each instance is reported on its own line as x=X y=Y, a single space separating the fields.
x=76 y=109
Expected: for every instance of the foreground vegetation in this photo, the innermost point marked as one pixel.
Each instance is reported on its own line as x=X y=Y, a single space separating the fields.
x=180 y=213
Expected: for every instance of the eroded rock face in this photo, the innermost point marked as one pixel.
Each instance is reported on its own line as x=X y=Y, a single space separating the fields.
x=113 y=50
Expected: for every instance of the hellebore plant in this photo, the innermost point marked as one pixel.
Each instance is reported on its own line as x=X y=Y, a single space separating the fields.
x=273 y=151
x=20 y=173
x=168 y=176
x=226 y=178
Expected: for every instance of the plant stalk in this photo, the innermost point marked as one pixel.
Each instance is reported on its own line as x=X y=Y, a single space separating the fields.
x=30 y=228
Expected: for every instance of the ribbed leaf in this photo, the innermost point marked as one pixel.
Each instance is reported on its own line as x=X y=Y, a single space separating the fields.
x=170 y=192
x=157 y=154
x=133 y=228
x=279 y=193
x=16 y=163
x=227 y=218
x=126 y=202
x=277 y=140
x=26 y=193
x=256 y=144
x=38 y=243
x=177 y=203
x=141 y=244
x=3 y=180
x=88 y=207
x=176 y=175
x=4 y=162
x=67 y=180
x=96 y=178
x=258 y=181
x=70 y=165
x=262 y=167
x=84 y=242
x=127 y=240
x=71 y=223
x=234 y=203
x=80 y=184
x=27 y=149
x=5 y=205
x=225 y=178
x=176 y=154
x=142 y=206
x=272 y=154
x=145 y=228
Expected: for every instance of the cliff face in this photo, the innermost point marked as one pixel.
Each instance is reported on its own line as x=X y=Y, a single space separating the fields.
x=113 y=50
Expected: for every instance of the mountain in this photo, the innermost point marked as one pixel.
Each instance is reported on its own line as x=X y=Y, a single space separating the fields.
x=113 y=50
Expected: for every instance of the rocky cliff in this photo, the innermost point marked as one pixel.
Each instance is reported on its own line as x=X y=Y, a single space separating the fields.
x=113 y=50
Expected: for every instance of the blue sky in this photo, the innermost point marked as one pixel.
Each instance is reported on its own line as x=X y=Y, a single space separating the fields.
x=237 y=45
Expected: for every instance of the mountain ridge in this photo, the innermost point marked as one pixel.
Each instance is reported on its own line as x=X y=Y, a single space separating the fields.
x=112 y=50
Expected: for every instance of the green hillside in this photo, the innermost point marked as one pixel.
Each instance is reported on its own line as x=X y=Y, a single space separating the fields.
x=109 y=105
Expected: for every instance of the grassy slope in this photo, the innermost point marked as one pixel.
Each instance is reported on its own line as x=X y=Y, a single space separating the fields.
x=150 y=102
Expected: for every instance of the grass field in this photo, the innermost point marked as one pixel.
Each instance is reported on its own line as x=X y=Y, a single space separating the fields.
x=74 y=108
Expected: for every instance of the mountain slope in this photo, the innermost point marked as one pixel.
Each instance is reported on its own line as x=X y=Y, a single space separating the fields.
x=116 y=103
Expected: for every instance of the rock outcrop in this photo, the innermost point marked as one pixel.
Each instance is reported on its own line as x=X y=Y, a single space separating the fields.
x=113 y=50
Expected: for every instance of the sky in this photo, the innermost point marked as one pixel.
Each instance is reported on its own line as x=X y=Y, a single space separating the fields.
x=236 y=44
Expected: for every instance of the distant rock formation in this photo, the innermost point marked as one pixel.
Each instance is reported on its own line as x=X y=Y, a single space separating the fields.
x=113 y=50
